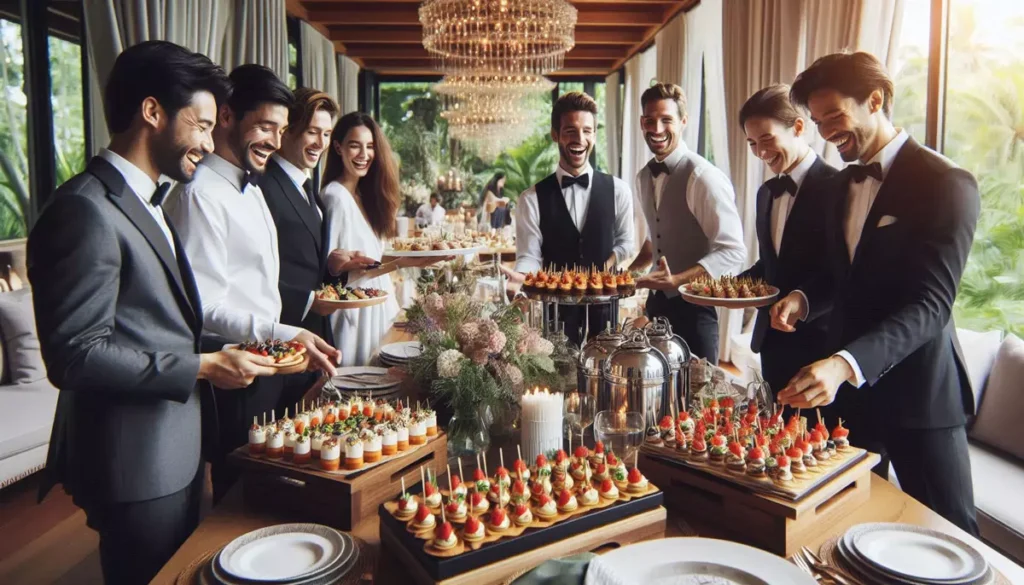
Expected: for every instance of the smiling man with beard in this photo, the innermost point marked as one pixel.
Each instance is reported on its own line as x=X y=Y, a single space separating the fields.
x=692 y=223
x=575 y=216
x=231 y=238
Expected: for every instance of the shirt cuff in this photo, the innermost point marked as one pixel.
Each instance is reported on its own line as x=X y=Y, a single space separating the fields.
x=858 y=376
x=286 y=332
x=309 y=305
x=526 y=265
x=707 y=268
x=807 y=306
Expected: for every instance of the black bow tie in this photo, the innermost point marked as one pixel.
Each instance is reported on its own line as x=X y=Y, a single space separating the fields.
x=860 y=172
x=160 y=194
x=252 y=178
x=658 y=168
x=781 y=185
x=582 y=180
x=310 y=193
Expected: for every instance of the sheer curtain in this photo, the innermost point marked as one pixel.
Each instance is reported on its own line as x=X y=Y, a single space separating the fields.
x=319 y=69
x=348 y=84
x=612 y=122
x=258 y=35
x=640 y=71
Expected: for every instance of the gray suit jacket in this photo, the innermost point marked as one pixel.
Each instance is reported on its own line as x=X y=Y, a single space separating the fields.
x=119 y=323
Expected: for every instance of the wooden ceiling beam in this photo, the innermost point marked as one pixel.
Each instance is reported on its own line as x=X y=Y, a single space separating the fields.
x=297 y=9
x=400 y=14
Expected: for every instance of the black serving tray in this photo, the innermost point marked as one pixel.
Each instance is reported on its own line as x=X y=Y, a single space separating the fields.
x=444 y=568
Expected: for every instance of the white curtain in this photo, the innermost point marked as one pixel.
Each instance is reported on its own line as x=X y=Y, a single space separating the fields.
x=612 y=122
x=640 y=72
x=348 y=84
x=203 y=26
x=319 y=69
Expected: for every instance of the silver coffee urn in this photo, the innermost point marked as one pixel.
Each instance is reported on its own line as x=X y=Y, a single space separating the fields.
x=592 y=358
x=677 y=352
x=635 y=379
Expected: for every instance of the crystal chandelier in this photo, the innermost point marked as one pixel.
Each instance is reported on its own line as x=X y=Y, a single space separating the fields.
x=498 y=37
x=467 y=86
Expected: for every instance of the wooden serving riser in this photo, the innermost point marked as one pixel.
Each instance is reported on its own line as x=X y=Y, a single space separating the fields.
x=775 y=524
x=341 y=501
x=643 y=526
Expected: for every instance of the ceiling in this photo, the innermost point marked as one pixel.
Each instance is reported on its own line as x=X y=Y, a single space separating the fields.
x=385 y=36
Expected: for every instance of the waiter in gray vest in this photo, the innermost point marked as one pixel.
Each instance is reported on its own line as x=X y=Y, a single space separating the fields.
x=692 y=224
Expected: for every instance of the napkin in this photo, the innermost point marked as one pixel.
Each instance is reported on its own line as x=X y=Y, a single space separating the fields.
x=564 y=571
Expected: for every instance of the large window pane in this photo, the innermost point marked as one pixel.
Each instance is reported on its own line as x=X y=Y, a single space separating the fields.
x=66 y=97
x=984 y=133
x=910 y=73
x=14 y=184
x=601 y=147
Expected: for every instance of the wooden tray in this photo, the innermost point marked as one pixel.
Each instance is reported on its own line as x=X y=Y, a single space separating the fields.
x=573 y=298
x=314 y=464
x=355 y=304
x=622 y=523
x=775 y=524
x=342 y=501
x=799 y=487
x=433 y=253
x=754 y=302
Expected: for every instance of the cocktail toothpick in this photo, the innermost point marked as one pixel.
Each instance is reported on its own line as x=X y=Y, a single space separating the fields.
x=264 y=418
x=255 y=422
x=403 y=486
x=423 y=481
x=501 y=456
x=485 y=465
x=462 y=475
x=449 y=467
x=286 y=412
x=519 y=453
x=636 y=458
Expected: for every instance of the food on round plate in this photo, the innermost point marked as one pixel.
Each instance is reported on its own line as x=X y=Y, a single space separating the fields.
x=330 y=292
x=285 y=353
x=728 y=287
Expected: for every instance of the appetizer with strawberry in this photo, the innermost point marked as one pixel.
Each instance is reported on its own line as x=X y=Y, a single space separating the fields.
x=478 y=502
x=519 y=495
x=608 y=490
x=598 y=456
x=407 y=506
x=784 y=473
x=543 y=468
x=522 y=515
x=735 y=460
x=841 y=437
x=567 y=501
x=497 y=520
x=756 y=462
x=473 y=531
x=588 y=496
x=719 y=449
x=424 y=519
x=637 y=483
x=483 y=485
x=546 y=508
x=521 y=470
x=444 y=537
x=456 y=509
x=431 y=495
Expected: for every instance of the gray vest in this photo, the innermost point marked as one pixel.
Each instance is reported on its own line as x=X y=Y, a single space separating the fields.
x=674 y=231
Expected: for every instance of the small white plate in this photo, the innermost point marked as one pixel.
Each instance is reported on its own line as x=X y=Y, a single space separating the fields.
x=915 y=553
x=377 y=380
x=434 y=253
x=402 y=351
x=282 y=553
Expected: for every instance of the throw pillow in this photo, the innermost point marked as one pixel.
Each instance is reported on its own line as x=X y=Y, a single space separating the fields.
x=998 y=423
x=21 y=343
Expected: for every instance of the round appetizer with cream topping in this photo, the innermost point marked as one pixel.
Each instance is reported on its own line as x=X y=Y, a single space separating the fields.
x=424 y=518
x=522 y=515
x=456 y=509
x=444 y=537
x=483 y=485
x=567 y=501
x=431 y=495
x=588 y=495
x=608 y=490
x=478 y=501
x=458 y=488
x=637 y=482
x=407 y=506
x=546 y=507
x=497 y=520
x=474 y=530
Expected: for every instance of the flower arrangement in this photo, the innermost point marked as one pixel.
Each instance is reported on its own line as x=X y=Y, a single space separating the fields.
x=475 y=356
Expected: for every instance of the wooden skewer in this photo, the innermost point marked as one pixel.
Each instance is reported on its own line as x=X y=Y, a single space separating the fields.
x=485 y=465
x=519 y=452
x=286 y=412
x=462 y=476
x=423 y=481
x=264 y=418
x=403 y=486
x=449 y=467
x=501 y=456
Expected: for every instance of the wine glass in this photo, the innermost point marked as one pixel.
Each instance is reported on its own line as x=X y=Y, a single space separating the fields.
x=621 y=432
x=588 y=410
x=571 y=413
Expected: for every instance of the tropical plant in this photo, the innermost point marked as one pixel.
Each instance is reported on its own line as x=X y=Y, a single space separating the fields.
x=527 y=164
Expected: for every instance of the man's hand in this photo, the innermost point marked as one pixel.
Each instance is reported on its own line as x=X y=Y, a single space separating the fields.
x=659 y=279
x=788 y=311
x=321 y=355
x=422 y=262
x=340 y=261
x=234 y=368
x=816 y=384
x=323 y=308
x=512 y=276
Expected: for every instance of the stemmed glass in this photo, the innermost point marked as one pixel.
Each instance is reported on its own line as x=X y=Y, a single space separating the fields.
x=621 y=432
x=578 y=412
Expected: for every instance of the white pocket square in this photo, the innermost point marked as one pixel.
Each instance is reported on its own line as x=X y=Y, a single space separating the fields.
x=886 y=220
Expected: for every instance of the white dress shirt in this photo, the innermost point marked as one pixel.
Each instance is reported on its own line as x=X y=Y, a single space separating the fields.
x=577 y=200
x=861 y=197
x=143 y=187
x=299 y=177
x=712 y=201
x=427 y=215
x=231 y=241
x=783 y=204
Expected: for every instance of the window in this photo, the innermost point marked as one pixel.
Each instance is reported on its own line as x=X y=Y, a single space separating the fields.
x=66 y=95
x=910 y=73
x=601 y=147
x=294 y=71
x=984 y=133
x=14 y=183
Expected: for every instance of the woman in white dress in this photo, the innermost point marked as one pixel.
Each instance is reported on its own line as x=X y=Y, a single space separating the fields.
x=361 y=198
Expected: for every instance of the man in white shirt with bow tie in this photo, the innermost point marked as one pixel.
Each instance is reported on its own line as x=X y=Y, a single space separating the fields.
x=902 y=229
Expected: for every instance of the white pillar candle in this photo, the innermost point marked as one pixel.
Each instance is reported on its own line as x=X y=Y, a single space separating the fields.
x=541 y=422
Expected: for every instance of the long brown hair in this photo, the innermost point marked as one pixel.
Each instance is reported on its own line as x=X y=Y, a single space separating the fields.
x=378 y=190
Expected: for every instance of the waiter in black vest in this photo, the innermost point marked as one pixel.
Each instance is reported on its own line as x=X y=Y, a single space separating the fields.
x=576 y=216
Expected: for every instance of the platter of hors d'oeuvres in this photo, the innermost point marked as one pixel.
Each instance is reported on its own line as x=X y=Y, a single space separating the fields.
x=443 y=245
x=338 y=296
x=344 y=437
x=490 y=508
x=730 y=292
x=578 y=285
x=761 y=452
x=289 y=356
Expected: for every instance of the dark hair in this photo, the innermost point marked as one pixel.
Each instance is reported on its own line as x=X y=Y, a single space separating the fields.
x=434 y=195
x=308 y=101
x=770 y=102
x=492 y=186
x=169 y=73
x=378 y=190
x=574 y=101
x=852 y=74
x=664 y=91
x=253 y=85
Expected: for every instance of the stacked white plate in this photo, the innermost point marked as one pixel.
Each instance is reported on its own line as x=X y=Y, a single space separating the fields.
x=286 y=554
x=911 y=555
x=399 y=354
x=364 y=380
x=693 y=561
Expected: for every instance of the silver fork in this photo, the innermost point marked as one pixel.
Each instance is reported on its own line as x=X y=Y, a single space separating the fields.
x=833 y=573
x=801 y=564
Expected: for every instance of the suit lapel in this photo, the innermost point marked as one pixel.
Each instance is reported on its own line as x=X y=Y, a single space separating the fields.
x=188 y=280
x=764 y=230
x=297 y=199
x=803 y=205
x=125 y=199
x=898 y=174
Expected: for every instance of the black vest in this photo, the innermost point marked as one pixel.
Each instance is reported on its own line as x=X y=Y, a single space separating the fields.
x=564 y=245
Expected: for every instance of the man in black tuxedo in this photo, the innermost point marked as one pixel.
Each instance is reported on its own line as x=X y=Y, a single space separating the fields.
x=790 y=234
x=294 y=202
x=119 y=316
x=901 y=231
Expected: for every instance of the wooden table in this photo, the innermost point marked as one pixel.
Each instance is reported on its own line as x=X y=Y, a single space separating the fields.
x=887 y=504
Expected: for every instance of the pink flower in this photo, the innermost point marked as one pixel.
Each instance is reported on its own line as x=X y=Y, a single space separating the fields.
x=480 y=356
x=433 y=306
x=496 y=342
x=467 y=333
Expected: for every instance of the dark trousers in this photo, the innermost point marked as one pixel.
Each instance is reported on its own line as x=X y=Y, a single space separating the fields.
x=138 y=538
x=933 y=466
x=698 y=326
x=235 y=412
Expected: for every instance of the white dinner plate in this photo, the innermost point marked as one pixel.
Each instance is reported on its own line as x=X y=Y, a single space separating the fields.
x=914 y=553
x=752 y=302
x=330 y=575
x=692 y=561
x=433 y=253
x=364 y=378
x=401 y=351
x=282 y=553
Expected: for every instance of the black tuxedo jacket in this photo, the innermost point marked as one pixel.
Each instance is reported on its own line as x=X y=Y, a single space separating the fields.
x=300 y=241
x=119 y=321
x=893 y=304
x=802 y=254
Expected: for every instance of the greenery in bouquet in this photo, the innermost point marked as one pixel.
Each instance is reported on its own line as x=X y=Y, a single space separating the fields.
x=474 y=355
x=457 y=276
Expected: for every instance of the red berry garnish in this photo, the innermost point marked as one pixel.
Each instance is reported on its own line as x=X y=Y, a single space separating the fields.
x=497 y=516
x=563 y=498
x=456 y=481
x=422 y=513
x=599 y=448
x=443 y=531
x=478 y=474
x=472 y=524
x=634 y=475
x=601 y=468
x=757 y=453
x=607 y=485
x=560 y=456
x=476 y=498
x=541 y=460
x=429 y=488
x=666 y=422
x=521 y=509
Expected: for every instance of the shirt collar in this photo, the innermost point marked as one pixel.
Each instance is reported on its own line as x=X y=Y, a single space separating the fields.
x=799 y=172
x=675 y=156
x=296 y=174
x=560 y=172
x=234 y=175
x=137 y=180
x=888 y=153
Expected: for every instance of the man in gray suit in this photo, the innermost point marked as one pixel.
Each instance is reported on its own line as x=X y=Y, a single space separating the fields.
x=119 y=316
